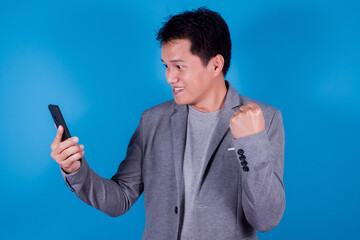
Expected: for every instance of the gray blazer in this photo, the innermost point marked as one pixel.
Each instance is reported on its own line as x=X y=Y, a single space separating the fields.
x=231 y=203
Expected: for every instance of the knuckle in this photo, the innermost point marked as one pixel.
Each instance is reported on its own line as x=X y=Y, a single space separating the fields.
x=62 y=165
x=59 y=160
x=67 y=146
x=69 y=151
x=64 y=154
x=257 y=110
x=65 y=165
x=78 y=156
x=54 y=145
x=74 y=158
x=252 y=104
x=69 y=164
x=67 y=142
x=253 y=113
x=233 y=119
x=60 y=147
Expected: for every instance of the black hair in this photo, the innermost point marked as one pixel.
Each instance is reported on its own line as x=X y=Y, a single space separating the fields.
x=207 y=31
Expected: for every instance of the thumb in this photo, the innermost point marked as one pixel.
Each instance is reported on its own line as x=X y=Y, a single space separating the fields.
x=59 y=134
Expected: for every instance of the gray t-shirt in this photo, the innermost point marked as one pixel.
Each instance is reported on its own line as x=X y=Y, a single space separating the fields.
x=200 y=128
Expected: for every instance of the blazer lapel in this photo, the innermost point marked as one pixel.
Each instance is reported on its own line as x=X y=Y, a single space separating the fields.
x=232 y=103
x=178 y=130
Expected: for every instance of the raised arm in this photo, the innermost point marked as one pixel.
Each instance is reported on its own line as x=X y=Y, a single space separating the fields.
x=261 y=154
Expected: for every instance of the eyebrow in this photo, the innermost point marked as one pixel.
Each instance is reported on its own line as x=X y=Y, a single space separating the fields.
x=175 y=60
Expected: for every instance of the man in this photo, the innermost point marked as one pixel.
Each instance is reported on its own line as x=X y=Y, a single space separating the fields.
x=210 y=162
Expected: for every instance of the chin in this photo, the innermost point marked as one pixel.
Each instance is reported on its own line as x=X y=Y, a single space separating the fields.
x=181 y=101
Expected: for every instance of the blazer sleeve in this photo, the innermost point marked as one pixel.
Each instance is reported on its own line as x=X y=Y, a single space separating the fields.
x=112 y=196
x=263 y=193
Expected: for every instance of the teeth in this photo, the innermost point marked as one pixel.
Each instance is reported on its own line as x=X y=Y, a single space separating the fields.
x=178 y=89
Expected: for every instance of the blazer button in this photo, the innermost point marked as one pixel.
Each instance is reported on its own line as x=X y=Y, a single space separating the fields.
x=246 y=168
x=243 y=163
x=176 y=210
x=240 y=151
x=242 y=157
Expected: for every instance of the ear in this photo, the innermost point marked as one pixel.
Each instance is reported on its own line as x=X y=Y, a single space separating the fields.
x=217 y=64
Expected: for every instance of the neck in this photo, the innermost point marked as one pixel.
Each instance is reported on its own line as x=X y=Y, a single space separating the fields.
x=215 y=100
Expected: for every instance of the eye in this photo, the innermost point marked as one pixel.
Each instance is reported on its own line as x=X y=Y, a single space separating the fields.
x=166 y=66
x=179 y=66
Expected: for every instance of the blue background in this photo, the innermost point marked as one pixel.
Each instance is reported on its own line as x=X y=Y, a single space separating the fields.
x=100 y=62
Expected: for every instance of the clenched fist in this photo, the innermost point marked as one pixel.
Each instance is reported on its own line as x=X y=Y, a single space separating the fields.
x=67 y=153
x=246 y=121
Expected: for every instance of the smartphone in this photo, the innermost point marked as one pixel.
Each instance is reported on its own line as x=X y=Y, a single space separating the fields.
x=59 y=120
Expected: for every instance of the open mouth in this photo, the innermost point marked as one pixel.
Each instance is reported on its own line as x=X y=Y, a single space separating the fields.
x=178 y=89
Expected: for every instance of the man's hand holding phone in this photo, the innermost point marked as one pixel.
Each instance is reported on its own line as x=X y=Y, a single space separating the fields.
x=67 y=153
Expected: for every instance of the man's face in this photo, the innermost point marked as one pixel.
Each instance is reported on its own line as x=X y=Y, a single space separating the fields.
x=191 y=82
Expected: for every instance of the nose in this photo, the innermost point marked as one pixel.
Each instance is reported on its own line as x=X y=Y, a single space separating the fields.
x=172 y=76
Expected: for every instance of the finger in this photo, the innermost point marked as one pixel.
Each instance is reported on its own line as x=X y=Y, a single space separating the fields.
x=252 y=105
x=244 y=108
x=66 y=144
x=58 y=137
x=72 y=159
x=71 y=151
x=255 y=109
x=237 y=112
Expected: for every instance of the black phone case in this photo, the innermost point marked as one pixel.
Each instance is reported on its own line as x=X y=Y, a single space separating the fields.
x=59 y=120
